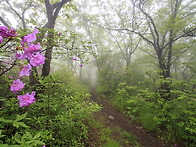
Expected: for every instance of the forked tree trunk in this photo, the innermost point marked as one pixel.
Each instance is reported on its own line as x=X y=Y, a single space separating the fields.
x=52 y=14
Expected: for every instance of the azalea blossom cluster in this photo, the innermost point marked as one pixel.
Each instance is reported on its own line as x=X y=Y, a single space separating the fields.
x=6 y=33
x=32 y=54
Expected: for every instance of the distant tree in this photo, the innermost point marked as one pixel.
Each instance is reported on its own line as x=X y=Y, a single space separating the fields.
x=174 y=22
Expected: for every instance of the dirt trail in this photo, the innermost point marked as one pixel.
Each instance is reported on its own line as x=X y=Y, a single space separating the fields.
x=144 y=138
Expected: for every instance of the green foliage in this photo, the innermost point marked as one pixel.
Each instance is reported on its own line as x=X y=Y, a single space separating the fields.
x=112 y=73
x=64 y=108
x=28 y=139
x=147 y=116
x=178 y=117
x=111 y=143
x=16 y=123
x=25 y=140
x=174 y=119
x=56 y=118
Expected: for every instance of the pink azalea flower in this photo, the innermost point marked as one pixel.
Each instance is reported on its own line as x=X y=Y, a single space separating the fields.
x=74 y=58
x=6 y=33
x=1 y=39
x=37 y=59
x=17 y=86
x=32 y=49
x=27 y=99
x=26 y=70
x=13 y=32
x=29 y=38
x=17 y=55
x=81 y=65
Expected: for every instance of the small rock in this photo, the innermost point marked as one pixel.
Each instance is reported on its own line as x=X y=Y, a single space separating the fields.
x=139 y=127
x=111 y=117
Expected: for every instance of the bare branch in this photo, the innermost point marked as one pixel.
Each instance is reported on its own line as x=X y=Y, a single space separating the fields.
x=13 y=9
x=8 y=68
x=151 y=21
x=4 y=22
x=117 y=44
x=137 y=45
x=148 y=53
x=183 y=35
x=22 y=18
x=58 y=7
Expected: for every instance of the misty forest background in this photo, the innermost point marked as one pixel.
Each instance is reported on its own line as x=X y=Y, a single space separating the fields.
x=139 y=53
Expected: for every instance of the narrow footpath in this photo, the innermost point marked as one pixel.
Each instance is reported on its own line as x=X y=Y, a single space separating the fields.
x=115 y=118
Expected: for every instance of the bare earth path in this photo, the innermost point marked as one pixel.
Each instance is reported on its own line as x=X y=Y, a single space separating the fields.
x=144 y=138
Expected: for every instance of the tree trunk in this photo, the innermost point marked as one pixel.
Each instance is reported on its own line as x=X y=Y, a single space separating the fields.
x=48 y=55
x=52 y=14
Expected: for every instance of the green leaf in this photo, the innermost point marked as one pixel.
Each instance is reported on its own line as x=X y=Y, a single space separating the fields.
x=5 y=121
x=37 y=135
x=20 y=117
x=24 y=138
x=17 y=138
x=3 y=145
x=29 y=135
x=39 y=142
x=23 y=125
x=29 y=142
x=16 y=124
x=1 y=135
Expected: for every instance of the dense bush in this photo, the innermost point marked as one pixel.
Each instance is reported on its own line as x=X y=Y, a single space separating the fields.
x=58 y=113
x=174 y=119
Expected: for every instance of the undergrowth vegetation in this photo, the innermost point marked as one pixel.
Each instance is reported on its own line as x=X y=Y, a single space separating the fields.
x=165 y=105
x=55 y=119
x=173 y=119
x=102 y=134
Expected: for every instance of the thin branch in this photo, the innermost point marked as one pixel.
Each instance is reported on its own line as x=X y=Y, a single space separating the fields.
x=21 y=17
x=117 y=43
x=137 y=45
x=5 y=43
x=148 y=53
x=4 y=22
x=183 y=35
x=141 y=35
x=152 y=22
x=132 y=31
x=8 y=68
x=58 y=7
x=13 y=9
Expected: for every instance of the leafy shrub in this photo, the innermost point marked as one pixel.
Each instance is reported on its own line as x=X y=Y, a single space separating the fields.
x=55 y=119
x=174 y=119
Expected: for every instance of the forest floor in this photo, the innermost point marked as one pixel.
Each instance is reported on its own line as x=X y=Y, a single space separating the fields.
x=123 y=131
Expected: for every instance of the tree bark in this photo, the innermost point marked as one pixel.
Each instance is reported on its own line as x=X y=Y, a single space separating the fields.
x=52 y=14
